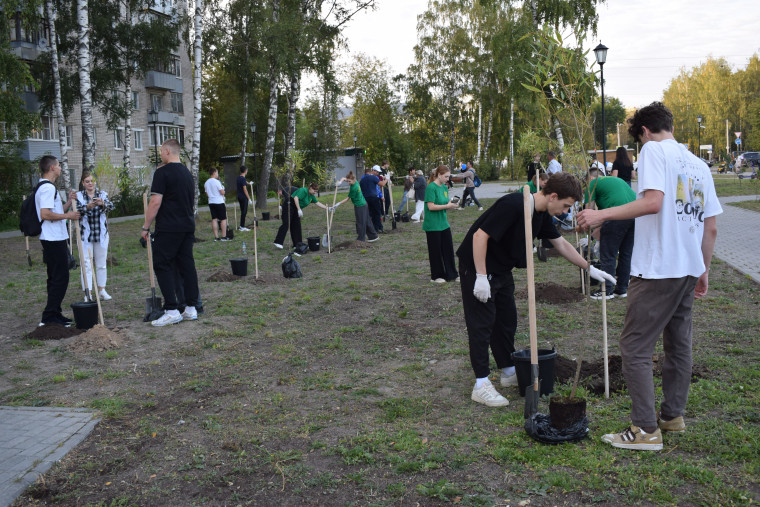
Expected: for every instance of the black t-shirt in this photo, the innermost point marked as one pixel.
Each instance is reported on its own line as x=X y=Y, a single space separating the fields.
x=624 y=170
x=241 y=184
x=175 y=183
x=504 y=223
x=533 y=167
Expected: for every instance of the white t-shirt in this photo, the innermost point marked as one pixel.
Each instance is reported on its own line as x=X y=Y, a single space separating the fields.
x=212 y=187
x=554 y=167
x=47 y=197
x=669 y=244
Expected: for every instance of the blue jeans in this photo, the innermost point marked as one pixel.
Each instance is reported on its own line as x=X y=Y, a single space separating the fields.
x=616 y=242
x=403 y=202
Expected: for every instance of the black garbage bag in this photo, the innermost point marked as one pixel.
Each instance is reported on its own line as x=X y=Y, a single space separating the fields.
x=290 y=267
x=301 y=248
x=539 y=427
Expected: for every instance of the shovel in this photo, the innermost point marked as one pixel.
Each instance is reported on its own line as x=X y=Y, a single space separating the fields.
x=390 y=194
x=153 y=307
x=532 y=392
x=87 y=296
x=28 y=256
x=604 y=337
x=255 y=224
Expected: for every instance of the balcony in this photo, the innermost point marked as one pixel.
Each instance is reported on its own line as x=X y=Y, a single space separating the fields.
x=26 y=50
x=163 y=81
x=32 y=149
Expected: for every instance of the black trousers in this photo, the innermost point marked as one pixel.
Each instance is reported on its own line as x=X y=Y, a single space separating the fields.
x=471 y=192
x=441 y=254
x=490 y=324
x=364 y=228
x=375 y=211
x=289 y=212
x=243 y=202
x=55 y=255
x=172 y=255
x=387 y=195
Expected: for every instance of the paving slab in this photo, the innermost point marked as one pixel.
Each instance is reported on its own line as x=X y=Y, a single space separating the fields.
x=32 y=439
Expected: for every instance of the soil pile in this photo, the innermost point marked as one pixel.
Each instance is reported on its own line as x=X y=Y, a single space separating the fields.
x=351 y=245
x=222 y=276
x=98 y=338
x=592 y=374
x=53 y=332
x=552 y=294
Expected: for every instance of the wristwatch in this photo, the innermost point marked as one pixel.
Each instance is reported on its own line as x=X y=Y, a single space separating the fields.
x=146 y=230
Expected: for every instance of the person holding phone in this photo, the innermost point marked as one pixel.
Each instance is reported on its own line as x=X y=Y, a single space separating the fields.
x=436 y=226
x=93 y=204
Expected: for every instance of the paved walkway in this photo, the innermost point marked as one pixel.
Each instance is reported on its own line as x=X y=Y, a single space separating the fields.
x=32 y=439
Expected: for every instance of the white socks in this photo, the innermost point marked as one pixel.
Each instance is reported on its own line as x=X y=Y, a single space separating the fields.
x=480 y=382
x=508 y=371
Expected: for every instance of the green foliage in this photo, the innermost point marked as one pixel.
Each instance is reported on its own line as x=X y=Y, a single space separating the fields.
x=614 y=113
x=16 y=180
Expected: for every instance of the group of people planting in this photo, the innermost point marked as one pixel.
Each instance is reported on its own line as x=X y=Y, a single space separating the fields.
x=662 y=237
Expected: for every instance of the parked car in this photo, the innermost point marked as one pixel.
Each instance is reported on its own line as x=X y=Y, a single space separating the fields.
x=751 y=158
x=708 y=162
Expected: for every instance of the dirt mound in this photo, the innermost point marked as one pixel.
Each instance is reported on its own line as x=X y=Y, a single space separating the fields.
x=352 y=245
x=264 y=278
x=222 y=276
x=552 y=293
x=53 y=332
x=98 y=338
x=592 y=374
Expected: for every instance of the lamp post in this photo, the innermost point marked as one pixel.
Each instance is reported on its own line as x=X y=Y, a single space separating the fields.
x=354 y=144
x=253 y=143
x=153 y=120
x=601 y=58
x=314 y=135
x=699 y=134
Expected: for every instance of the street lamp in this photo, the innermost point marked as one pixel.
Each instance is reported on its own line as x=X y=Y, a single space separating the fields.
x=601 y=58
x=253 y=142
x=153 y=120
x=699 y=135
x=354 y=144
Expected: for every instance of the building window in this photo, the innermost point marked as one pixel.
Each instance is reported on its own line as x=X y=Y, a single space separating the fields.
x=135 y=100
x=172 y=66
x=177 y=103
x=46 y=132
x=157 y=101
x=69 y=136
x=167 y=132
x=118 y=139
x=137 y=136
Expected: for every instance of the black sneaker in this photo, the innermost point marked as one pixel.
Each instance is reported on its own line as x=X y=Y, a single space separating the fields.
x=598 y=295
x=217 y=239
x=64 y=319
x=225 y=239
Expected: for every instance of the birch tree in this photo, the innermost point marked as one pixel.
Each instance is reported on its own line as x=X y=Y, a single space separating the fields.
x=197 y=97
x=50 y=14
x=85 y=87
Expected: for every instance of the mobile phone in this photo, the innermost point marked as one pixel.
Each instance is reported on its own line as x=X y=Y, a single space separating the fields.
x=455 y=199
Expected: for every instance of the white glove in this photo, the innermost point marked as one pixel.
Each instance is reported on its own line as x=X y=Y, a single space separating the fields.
x=598 y=274
x=300 y=213
x=337 y=204
x=482 y=289
x=331 y=208
x=250 y=202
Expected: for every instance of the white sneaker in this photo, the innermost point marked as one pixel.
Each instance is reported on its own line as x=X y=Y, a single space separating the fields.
x=278 y=245
x=167 y=319
x=190 y=313
x=480 y=209
x=488 y=396
x=243 y=229
x=105 y=296
x=508 y=381
x=438 y=280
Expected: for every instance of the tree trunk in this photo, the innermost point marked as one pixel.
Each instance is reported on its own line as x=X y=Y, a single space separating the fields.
x=558 y=132
x=266 y=169
x=245 y=123
x=480 y=130
x=85 y=87
x=488 y=134
x=453 y=139
x=127 y=159
x=295 y=94
x=52 y=15
x=512 y=135
x=197 y=96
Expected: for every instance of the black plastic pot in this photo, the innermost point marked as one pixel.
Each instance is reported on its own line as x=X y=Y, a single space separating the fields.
x=239 y=266
x=85 y=314
x=265 y=215
x=546 y=357
x=313 y=243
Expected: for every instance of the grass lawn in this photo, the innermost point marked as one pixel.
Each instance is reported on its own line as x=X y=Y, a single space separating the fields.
x=753 y=205
x=351 y=386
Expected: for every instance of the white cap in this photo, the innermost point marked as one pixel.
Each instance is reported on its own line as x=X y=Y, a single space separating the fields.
x=376 y=168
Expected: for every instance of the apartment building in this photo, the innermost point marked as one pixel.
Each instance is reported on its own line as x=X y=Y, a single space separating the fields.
x=166 y=90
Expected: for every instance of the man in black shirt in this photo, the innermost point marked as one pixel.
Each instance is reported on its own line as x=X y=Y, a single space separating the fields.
x=494 y=245
x=243 y=198
x=171 y=204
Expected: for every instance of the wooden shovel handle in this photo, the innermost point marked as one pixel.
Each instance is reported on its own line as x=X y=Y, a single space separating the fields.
x=531 y=280
x=150 y=249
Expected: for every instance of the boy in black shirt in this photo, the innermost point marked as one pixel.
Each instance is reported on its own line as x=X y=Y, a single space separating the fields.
x=494 y=245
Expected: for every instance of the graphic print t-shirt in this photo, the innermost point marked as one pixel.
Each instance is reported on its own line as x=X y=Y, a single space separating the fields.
x=669 y=244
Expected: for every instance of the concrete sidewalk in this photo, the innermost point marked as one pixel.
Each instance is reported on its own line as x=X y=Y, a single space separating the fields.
x=32 y=439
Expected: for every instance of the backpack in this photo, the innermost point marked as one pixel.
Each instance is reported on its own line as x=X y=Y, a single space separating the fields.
x=28 y=222
x=476 y=179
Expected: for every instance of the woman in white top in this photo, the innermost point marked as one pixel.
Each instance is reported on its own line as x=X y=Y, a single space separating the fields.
x=93 y=204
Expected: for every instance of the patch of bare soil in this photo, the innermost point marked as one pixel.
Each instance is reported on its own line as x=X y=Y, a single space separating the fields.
x=552 y=294
x=98 y=338
x=53 y=332
x=112 y=261
x=352 y=245
x=223 y=276
x=264 y=278
x=592 y=374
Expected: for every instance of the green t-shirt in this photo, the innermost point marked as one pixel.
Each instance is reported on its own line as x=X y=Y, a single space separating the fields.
x=436 y=220
x=610 y=191
x=356 y=196
x=304 y=197
x=532 y=186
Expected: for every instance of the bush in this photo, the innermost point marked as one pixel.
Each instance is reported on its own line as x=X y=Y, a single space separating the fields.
x=129 y=201
x=203 y=176
x=487 y=171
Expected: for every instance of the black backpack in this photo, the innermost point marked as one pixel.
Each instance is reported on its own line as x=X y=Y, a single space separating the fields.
x=28 y=222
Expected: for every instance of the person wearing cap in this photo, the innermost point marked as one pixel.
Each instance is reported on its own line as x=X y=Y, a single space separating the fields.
x=369 y=185
x=468 y=176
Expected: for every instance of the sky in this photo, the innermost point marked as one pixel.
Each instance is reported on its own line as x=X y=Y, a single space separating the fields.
x=649 y=41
